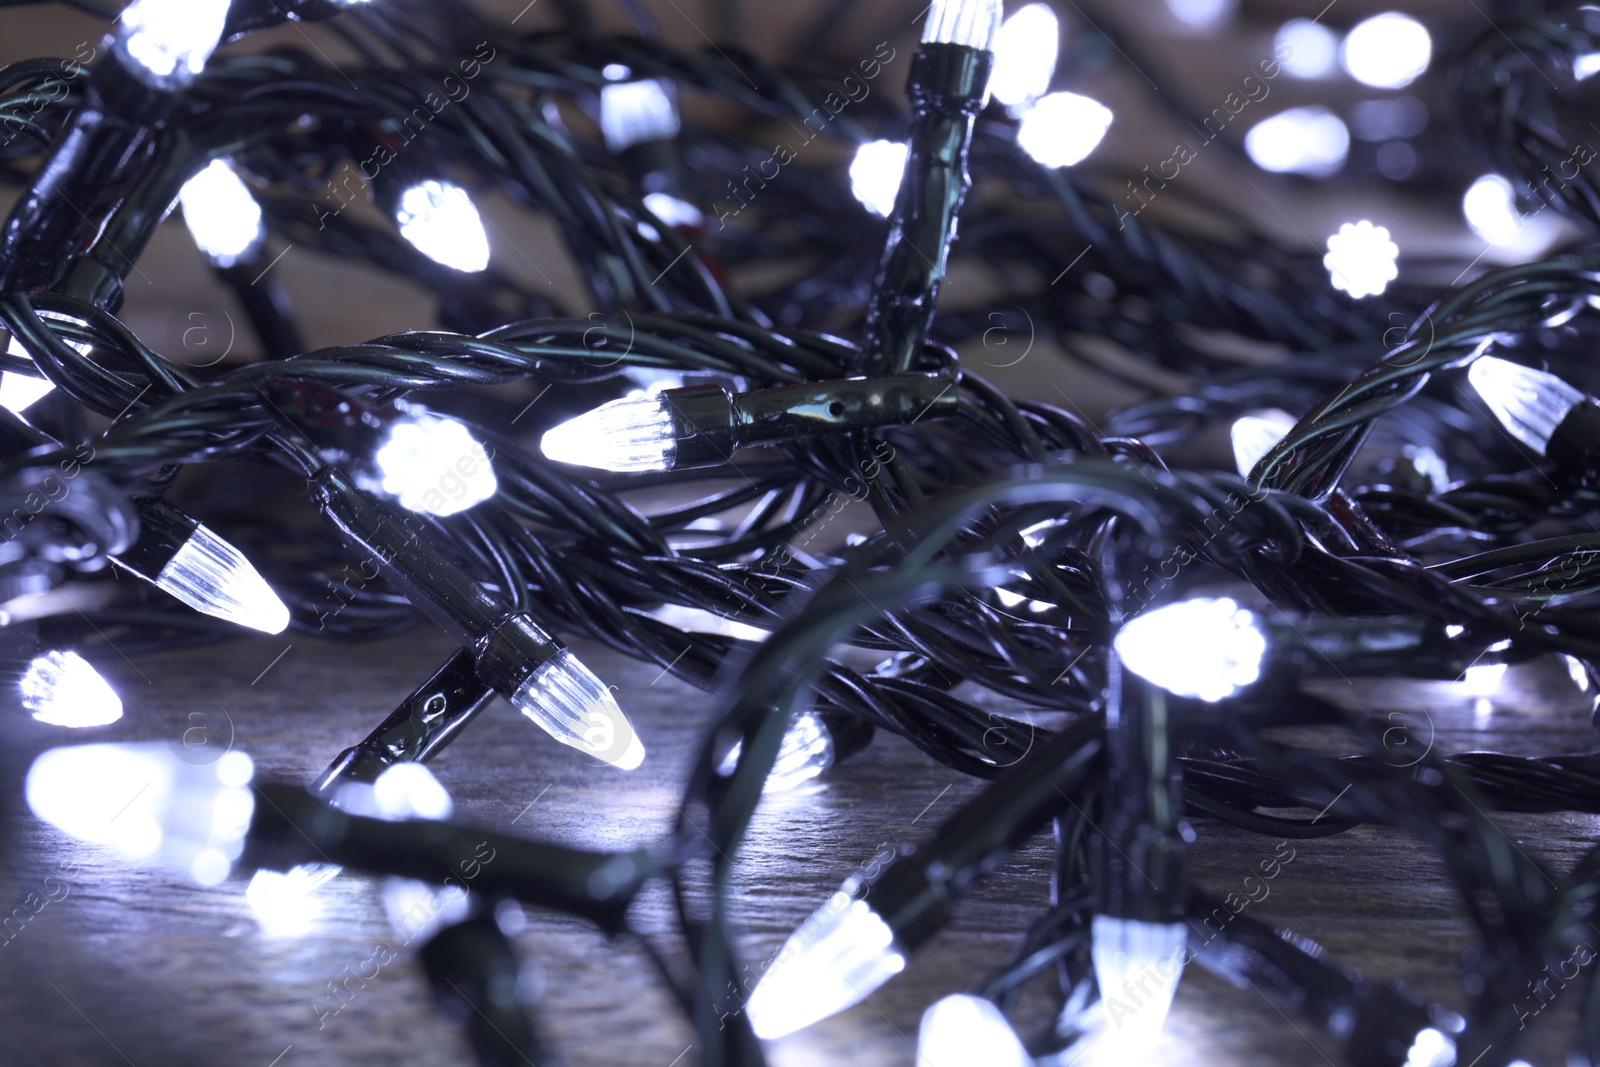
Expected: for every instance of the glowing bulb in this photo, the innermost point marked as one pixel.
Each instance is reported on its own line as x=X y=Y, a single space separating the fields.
x=574 y=707
x=417 y=910
x=837 y=958
x=1137 y=966
x=672 y=211
x=1311 y=49
x=631 y=434
x=973 y=23
x=1431 y=1048
x=1025 y=55
x=147 y=803
x=962 y=1031
x=285 y=904
x=1201 y=14
x=1490 y=207
x=222 y=216
x=440 y=222
x=1387 y=51
x=1529 y=403
x=1063 y=128
x=432 y=463
x=1361 y=259
x=805 y=752
x=169 y=41
x=1255 y=435
x=1302 y=140
x=1586 y=65
x=1482 y=679
x=634 y=112
x=60 y=688
x=215 y=578
x=875 y=174
x=1205 y=647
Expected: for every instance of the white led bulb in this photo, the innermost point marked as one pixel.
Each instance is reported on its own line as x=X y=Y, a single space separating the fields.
x=440 y=221
x=1137 y=966
x=876 y=173
x=166 y=42
x=973 y=23
x=1529 y=403
x=635 y=112
x=965 y=1031
x=1257 y=434
x=222 y=215
x=214 y=578
x=1205 y=648
x=805 y=752
x=574 y=707
x=62 y=689
x=631 y=434
x=1025 y=55
x=1361 y=259
x=837 y=958
x=432 y=463
x=1063 y=128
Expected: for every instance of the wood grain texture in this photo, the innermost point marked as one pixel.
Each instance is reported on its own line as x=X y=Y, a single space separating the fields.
x=135 y=966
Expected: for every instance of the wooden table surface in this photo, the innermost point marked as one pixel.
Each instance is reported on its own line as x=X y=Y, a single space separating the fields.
x=132 y=965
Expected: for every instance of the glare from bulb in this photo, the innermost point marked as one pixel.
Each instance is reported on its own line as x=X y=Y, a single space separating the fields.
x=1586 y=65
x=410 y=791
x=222 y=215
x=875 y=174
x=61 y=688
x=1025 y=53
x=973 y=23
x=1387 y=51
x=837 y=958
x=416 y=910
x=440 y=222
x=147 y=803
x=1482 y=679
x=1530 y=404
x=805 y=753
x=635 y=112
x=1302 y=140
x=1061 y=129
x=699 y=620
x=631 y=434
x=1202 y=14
x=214 y=578
x=573 y=706
x=1431 y=1048
x=616 y=72
x=1309 y=49
x=169 y=41
x=1206 y=647
x=1361 y=259
x=672 y=211
x=285 y=904
x=1490 y=207
x=1137 y=966
x=18 y=392
x=1577 y=672
x=966 y=1031
x=432 y=464
x=1256 y=434
x=1428 y=463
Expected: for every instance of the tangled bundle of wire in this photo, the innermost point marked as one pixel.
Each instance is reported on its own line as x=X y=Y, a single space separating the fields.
x=1011 y=540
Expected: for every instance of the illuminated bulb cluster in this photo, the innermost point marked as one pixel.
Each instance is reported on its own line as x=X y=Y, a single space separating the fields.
x=1361 y=259
x=169 y=41
x=631 y=434
x=573 y=706
x=840 y=955
x=439 y=220
x=62 y=689
x=213 y=577
x=1302 y=140
x=1205 y=647
x=1530 y=404
x=147 y=803
x=963 y=1031
x=222 y=215
x=805 y=752
x=431 y=463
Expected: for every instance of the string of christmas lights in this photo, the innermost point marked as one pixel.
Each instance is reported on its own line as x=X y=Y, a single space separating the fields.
x=1408 y=501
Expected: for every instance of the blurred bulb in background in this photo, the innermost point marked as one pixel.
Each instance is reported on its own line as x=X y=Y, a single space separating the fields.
x=1308 y=49
x=1387 y=51
x=1302 y=140
x=875 y=174
x=1361 y=259
x=439 y=220
x=1025 y=54
x=1063 y=128
x=1490 y=207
